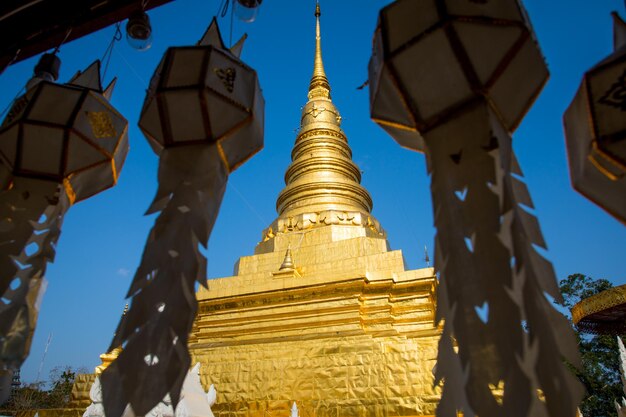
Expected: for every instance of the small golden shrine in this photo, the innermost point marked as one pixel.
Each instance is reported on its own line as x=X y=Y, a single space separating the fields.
x=323 y=314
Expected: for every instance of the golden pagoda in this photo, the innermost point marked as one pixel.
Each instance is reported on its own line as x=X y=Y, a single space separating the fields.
x=323 y=314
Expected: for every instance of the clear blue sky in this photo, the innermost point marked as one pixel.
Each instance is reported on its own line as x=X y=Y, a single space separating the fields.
x=103 y=237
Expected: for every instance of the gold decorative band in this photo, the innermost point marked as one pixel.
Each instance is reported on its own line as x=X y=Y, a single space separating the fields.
x=605 y=163
x=223 y=157
x=600 y=302
x=69 y=190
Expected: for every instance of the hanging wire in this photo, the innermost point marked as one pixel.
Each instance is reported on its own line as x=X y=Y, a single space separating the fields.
x=6 y=109
x=132 y=69
x=106 y=57
x=12 y=61
x=223 y=8
x=22 y=90
x=58 y=48
x=247 y=203
x=232 y=14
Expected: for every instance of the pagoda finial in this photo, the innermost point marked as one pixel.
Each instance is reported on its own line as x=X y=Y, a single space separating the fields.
x=288 y=261
x=322 y=184
x=319 y=86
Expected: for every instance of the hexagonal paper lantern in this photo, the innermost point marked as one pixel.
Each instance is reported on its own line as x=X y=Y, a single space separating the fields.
x=203 y=116
x=430 y=61
x=205 y=94
x=454 y=78
x=68 y=134
x=595 y=129
x=58 y=144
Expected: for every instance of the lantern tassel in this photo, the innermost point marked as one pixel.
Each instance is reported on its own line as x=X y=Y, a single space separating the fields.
x=485 y=253
x=545 y=329
x=154 y=332
x=32 y=213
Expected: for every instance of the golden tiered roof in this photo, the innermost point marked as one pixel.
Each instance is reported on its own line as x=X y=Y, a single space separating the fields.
x=602 y=313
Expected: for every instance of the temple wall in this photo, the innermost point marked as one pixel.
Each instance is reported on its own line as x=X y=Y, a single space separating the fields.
x=79 y=398
x=347 y=376
x=337 y=346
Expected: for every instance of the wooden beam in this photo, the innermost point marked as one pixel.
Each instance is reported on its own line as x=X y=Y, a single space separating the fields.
x=30 y=27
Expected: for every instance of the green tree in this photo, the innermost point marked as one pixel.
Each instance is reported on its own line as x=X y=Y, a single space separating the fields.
x=61 y=382
x=599 y=353
x=36 y=397
x=27 y=397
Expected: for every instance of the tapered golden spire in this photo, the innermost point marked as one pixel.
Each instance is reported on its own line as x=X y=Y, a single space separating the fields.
x=323 y=184
x=322 y=175
x=319 y=86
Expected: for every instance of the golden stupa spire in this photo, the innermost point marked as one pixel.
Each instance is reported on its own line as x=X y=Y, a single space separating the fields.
x=323 y=184
x=322 y=175
x=319 y=86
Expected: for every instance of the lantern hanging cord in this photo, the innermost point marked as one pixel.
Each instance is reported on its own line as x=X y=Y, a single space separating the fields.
x=132 y=69
x=21 y=90
x=223 y=8
x=106 y=57
x=6 y=109
x=247 y=203
x=12 y=61
x=58 y=48
x=232 y=14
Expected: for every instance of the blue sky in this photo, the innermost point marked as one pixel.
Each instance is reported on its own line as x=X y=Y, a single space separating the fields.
x=103 y=237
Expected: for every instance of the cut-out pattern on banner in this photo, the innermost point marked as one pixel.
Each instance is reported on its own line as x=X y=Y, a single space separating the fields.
x=59 y=144
x=452 y=78
x=203 y=116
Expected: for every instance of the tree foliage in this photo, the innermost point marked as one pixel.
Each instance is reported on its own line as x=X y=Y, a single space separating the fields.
x=35 y=396
x=61 y=380
x=600 y=356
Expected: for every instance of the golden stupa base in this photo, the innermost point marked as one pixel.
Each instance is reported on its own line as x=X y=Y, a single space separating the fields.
x=352 y=336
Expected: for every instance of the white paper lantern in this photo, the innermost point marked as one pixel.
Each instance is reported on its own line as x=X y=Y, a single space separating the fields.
x=453 y=78
x=432 y=59
x=205 y=94
x=595 y=129
x=59 y=144
x=203 y=116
